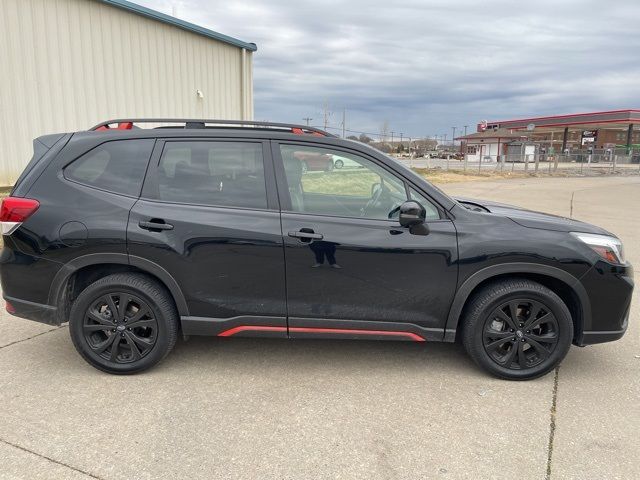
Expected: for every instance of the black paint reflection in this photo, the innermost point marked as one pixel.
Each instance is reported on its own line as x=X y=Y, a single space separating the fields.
x=324 y=250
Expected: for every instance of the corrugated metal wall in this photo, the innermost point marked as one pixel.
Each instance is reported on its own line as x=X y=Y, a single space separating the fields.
x=65 y=65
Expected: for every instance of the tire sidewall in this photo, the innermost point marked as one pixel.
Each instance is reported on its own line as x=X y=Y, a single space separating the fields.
x=565 y=334
x=76 y=320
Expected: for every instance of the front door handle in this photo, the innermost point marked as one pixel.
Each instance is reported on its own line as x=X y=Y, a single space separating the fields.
x=156 y=225
x=306 y=235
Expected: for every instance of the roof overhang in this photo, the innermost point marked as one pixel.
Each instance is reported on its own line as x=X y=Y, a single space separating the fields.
x=168 y=19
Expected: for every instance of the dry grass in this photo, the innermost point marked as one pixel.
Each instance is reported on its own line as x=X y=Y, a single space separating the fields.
x=451 y=176
x=359 y=182
x=341 y=182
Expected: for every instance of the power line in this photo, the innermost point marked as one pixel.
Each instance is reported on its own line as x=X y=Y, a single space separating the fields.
x=369 y=134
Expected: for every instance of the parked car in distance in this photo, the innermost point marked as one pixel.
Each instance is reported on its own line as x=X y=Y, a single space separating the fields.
x=344 y=162
x=138 y=235
x=315 y=162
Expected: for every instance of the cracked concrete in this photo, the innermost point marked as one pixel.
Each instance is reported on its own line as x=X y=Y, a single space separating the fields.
x=245 y=408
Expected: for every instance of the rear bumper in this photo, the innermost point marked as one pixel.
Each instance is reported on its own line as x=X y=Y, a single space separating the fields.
x=32 y=311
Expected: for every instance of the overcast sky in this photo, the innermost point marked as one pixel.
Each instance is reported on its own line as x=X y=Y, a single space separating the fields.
x=425 y=66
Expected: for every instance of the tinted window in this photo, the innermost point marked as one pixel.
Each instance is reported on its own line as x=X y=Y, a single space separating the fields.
x=116 y=166
x=213 y=173
x=432 y=211
x=328 y=182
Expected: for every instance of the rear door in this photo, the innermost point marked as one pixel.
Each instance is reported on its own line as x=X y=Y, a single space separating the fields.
x=209 y=216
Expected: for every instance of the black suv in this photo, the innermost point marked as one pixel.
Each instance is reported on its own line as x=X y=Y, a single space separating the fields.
x=133 y=235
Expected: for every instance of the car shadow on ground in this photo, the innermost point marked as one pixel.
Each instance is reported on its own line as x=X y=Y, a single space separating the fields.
x=383 y=356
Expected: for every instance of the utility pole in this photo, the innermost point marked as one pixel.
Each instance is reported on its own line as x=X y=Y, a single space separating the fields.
x=465 y=130
x=344 y=117
x=453 y=137
x=444 y=142
x=307 y=119
x=392 y=132
x=326 y=114
x=401 y=146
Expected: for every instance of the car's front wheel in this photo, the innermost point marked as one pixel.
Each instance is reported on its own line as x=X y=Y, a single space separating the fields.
x=517 y=329
x=123 y=323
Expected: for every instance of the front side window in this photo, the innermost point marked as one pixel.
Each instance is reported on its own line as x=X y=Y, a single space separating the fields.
x=228 y=174
x=116 y=166
x=431 y=211
x=328 y=182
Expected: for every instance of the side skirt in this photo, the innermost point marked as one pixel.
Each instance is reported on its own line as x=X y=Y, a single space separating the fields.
x=276 y=327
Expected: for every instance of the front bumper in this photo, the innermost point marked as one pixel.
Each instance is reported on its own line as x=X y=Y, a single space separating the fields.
x=610 y=288
x=603 y=336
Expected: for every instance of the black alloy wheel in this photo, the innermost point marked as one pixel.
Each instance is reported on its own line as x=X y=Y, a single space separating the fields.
x=520 y=334
x=516 y=329
x=120 y=327
x=124 y=323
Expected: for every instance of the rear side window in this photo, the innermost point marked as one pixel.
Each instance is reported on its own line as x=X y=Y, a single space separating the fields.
x=228 y=174
x=117 y=166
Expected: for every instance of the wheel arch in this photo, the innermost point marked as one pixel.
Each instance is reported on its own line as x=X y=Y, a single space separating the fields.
x=112 y=263
x=565 y=285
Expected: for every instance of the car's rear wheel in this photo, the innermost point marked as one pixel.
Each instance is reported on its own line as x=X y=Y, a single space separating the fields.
x=517 y=329
x=123 y=323
x=338 y=164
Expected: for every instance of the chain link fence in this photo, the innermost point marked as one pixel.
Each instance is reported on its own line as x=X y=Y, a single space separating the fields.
x=579 y=163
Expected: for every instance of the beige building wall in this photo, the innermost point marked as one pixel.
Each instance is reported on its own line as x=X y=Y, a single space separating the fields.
x=66 y=65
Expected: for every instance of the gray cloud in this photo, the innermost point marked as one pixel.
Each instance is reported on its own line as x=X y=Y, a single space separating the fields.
x=427 y=65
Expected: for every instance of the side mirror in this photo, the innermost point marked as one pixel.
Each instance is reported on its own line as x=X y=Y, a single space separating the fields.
x=412 y=216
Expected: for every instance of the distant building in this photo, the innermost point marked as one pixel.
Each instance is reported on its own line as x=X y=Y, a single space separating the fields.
x=616 y=131
x=69 y=64
x=488 y=145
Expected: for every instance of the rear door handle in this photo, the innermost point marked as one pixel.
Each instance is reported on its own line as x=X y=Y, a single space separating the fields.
x=155 y=225
x=306 y=235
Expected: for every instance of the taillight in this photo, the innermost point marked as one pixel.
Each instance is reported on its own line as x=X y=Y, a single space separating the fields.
x=10 y=308
x=14 y=211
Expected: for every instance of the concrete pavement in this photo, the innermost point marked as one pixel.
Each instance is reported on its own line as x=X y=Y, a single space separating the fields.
x=245 y=408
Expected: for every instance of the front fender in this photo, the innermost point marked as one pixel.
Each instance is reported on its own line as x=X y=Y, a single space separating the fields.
x=468 y=286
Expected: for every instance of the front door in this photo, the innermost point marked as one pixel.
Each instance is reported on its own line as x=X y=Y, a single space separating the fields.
x=351 y=270
x=205 y=217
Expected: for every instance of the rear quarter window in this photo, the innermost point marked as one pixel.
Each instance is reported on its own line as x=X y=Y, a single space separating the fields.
x=117 y=166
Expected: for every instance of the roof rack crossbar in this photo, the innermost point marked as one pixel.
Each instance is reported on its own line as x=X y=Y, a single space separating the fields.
x=199 y=123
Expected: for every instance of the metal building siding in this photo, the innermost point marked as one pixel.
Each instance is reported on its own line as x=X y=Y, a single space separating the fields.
x=68 y=64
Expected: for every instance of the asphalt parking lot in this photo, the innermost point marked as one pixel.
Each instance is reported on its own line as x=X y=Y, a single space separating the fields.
x=243 y=408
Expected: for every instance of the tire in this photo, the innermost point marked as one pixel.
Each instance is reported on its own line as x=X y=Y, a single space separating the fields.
x=338 y=164
x=133 y=340
x=528 y=349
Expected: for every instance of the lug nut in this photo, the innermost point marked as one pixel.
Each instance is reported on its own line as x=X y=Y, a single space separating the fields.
x=522 y=340
x=122 y=335
x=129 y=328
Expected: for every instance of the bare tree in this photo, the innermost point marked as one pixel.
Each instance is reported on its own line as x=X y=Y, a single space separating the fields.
x=364 y=138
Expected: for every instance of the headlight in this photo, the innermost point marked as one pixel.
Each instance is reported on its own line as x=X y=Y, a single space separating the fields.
x=609 y=248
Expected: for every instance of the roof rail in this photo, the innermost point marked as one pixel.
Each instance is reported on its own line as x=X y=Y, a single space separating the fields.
x=128 y=124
